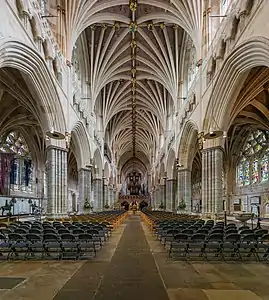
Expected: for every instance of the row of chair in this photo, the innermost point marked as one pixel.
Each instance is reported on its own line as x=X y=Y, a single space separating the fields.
x=55 y=239
x=209 y=240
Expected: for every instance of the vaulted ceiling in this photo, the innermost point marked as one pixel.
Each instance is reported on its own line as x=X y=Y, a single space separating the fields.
x=249 y=113
x=134 y=66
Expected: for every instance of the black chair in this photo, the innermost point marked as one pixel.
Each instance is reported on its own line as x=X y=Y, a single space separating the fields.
x=246 y=232
x=231 y=231
x=69 y=246
x=261 y=232
x=18 y=246
x=52 y=246
x=213 y=246
x=35 y=230
x=179 y=245
x=247 y=246
x=63 y=231
x=96 y=238
x=35 y=246
x=230 y=246
x=262 y=248
x=202 y=231
x=86 y=247
x=196 y=245
x=4 y=247
x=243 y=228
x=49 y=231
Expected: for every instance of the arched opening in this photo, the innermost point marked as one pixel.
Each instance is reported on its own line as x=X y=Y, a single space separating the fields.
x=72 y=172
x=171 y=182
x=246 y=147
x=23 y=184
x=98 y=202
x=196 y=182
x=187 y=151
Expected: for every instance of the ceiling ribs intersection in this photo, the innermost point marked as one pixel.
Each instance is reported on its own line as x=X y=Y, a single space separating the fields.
x=155 y=71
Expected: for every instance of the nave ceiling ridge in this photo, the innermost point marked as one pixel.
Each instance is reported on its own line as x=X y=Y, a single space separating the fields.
x=157 y=69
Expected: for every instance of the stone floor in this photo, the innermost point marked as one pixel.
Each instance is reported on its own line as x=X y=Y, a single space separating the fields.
x=129 y=255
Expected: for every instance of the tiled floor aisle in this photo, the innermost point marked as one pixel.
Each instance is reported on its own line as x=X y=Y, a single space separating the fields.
x=125 y=269
x=132 y=273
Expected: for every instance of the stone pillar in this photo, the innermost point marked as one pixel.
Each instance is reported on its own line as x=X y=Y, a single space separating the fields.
x=57 y=181
x=153 y=200
x=161 y=195
x=184 y=188
x=114 y=196
x=97 y=194
x=110 y=197
x=84 y=183
x=157 y=198
x=106 y=194
x=212 y=192
x=170 y=194
x=164 y=190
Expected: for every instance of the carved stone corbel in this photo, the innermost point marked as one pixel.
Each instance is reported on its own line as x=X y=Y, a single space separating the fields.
x=231 y=28
x=48 y=49
x=37 y=30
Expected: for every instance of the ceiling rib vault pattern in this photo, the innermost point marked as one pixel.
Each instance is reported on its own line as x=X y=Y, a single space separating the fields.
x=134 y=62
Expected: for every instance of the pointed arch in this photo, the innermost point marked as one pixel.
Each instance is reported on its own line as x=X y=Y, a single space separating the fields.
x=170 y=164
x=98 y=164
x=81 y=139
x=251 y=53
x=187 y=144
x=17 y=55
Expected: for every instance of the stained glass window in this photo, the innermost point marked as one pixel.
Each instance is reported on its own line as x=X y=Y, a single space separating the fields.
x=264 y=166
x=255 y=171
x=20 y=163
x=253 y=163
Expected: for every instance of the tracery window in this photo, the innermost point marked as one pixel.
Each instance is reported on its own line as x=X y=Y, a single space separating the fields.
x=253 y=163
x=15 y=163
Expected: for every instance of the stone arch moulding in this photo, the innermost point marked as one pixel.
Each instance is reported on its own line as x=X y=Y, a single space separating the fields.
x=82 y=143
x=187 y=144
x=170 y=163
x=230 y=79
x=17 y=55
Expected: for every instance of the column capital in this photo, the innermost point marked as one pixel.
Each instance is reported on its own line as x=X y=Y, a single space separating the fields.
x=85 y=169
x=171 y=179
x=50 y=147
x=209 y=149
x=183 y=170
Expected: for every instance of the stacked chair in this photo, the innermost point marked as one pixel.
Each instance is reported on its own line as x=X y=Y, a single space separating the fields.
x=54 y=240
x=199 y=239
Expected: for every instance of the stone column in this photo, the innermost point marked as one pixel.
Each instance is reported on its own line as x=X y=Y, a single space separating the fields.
x=170 y=194
x=110 y=197
x=157 y=198
x=114 y=196
x=98 y=194
x=57 y=181
x=153 y=200
x=184 y=188
x=106 y=194
x=212 y=192
x=161 y=195
x=165 y=191
x=84 y=183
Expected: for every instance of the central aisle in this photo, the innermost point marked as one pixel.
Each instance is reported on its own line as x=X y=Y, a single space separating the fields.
x=132 y=273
